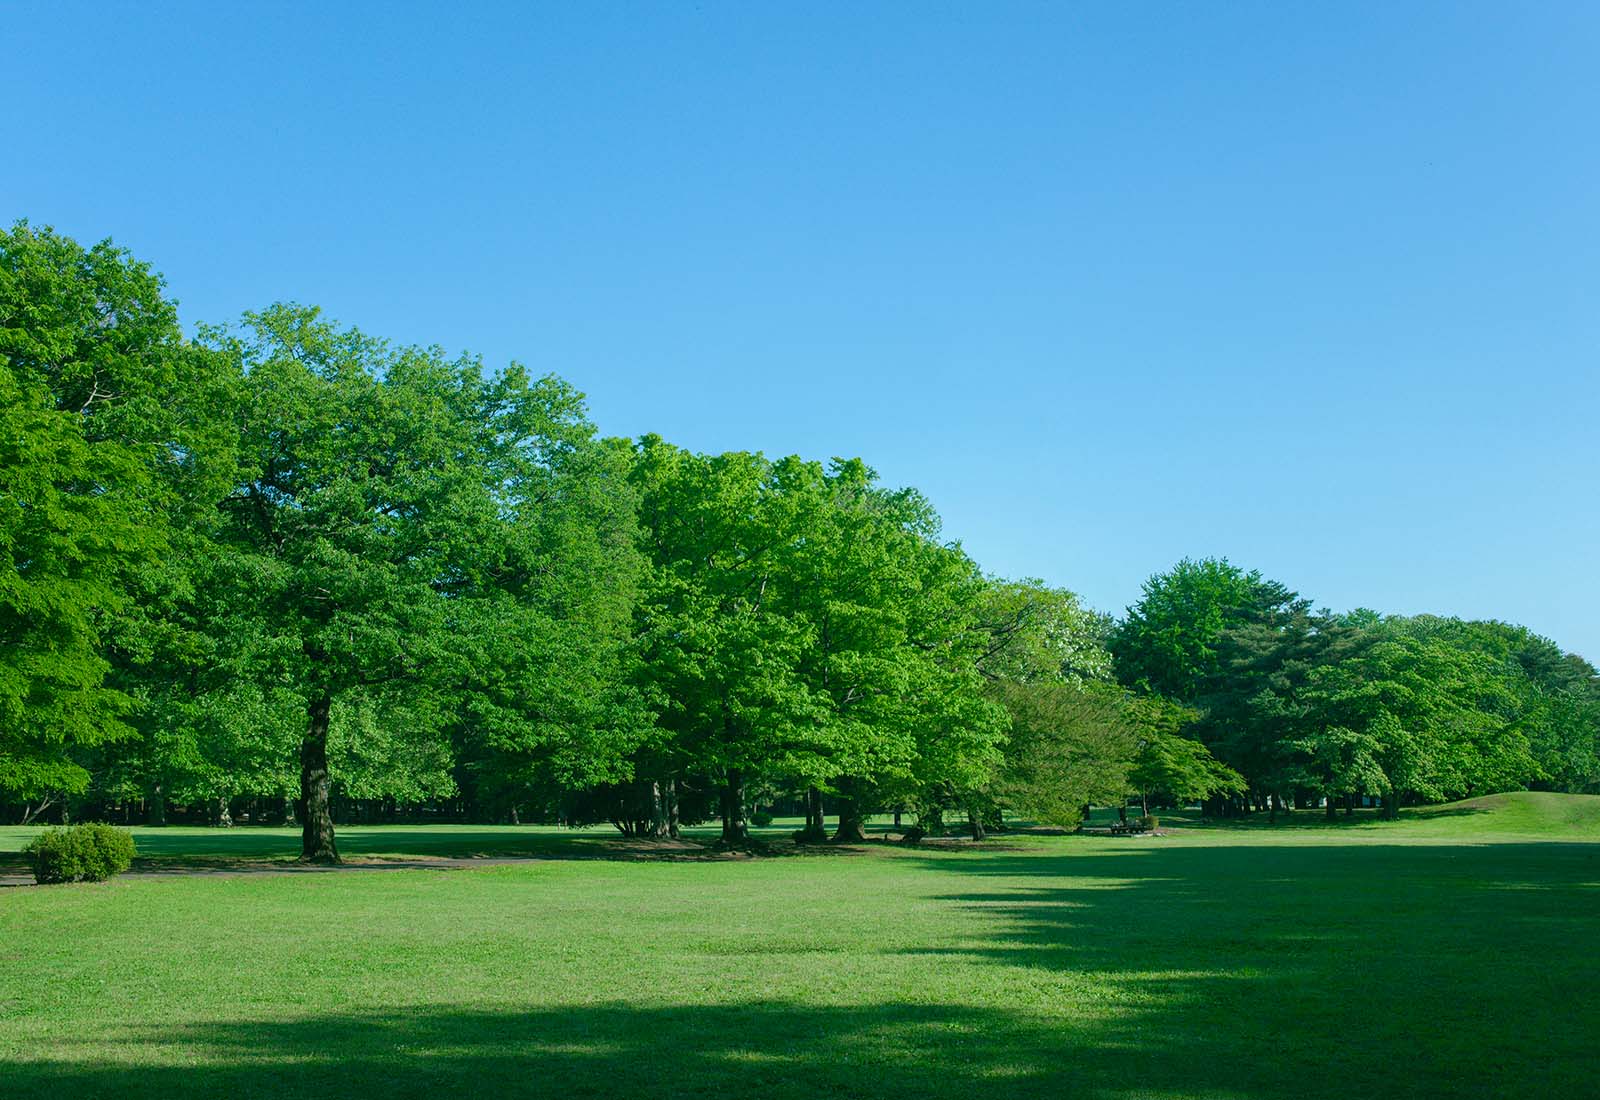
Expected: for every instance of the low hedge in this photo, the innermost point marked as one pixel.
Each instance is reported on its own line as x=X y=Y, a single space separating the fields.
x=82 y=853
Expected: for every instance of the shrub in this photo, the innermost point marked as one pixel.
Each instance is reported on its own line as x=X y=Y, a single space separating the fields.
x=1149 y=823
x=83 y=853
x=761 y=818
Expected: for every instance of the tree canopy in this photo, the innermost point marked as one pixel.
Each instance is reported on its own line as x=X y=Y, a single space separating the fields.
x=288 y=565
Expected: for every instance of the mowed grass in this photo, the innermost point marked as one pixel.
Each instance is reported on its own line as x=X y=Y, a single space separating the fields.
x=1450 y=954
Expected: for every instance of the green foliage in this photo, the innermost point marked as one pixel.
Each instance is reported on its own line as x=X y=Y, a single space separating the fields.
x=90 y=447
x=290 y=559
x=1181 y=768
x=82 y=853
x=1070 y=745
x=1168 y=644
x=1428 y=717
x=1038 y=633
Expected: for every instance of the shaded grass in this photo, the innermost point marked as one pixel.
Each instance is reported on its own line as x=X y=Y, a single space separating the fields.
x=1440 y=956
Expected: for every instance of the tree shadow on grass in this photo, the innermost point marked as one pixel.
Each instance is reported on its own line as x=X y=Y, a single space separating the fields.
x=766 y=1050
x=1310 y=970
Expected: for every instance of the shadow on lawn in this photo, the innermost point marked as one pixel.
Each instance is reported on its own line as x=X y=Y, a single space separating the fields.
x=1404 y=969
x=771 y=1051
x=1180 y=970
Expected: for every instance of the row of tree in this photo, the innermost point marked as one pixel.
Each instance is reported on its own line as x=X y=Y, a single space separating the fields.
x=287 y=563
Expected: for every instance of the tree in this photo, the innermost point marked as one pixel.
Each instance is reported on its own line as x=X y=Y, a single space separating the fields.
x=721 y=658
x=1421 y=717
x=1167 y=645
x=1069 y=746
x=890 y=610
x=1035 y=633
x=372 y=537
x=106 y=445
x=1166 y=763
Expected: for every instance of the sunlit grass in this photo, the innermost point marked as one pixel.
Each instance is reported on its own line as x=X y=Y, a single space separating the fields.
x=1450 y=954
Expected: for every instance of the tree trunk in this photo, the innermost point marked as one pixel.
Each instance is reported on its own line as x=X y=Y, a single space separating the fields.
x=224 y=818
x=975 y=823
x=897 y=819
x=658 y=811
x=1332 y=810
x=1144 y=803
x=1391 y=805
x=671 y=799
x=289 y=811
x=734 y=828
x=852 y=826
x=156 y=807
x=815 y=832
x=316 y=834
x=1272 y=809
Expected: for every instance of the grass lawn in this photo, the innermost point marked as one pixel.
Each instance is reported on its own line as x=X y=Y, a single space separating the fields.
x=1451 y=954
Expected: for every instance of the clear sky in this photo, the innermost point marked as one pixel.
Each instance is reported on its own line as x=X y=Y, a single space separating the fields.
x=1313 y=286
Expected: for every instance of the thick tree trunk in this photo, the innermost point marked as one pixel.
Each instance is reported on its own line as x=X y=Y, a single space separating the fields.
x=156 y=807
x=734 y=828
x=975 y=823
x=1332 y=810
x=852 y=824
x=1349 y=805
x=897 y=819
x=316 y=832
x=290 y=811
x=223 y=817
x=1272 y=809
x=1391 y=805
x=1122 y=814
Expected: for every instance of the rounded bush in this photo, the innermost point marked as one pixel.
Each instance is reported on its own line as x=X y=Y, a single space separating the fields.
x=1150 y=823
x=761 y=818
x=83 y=853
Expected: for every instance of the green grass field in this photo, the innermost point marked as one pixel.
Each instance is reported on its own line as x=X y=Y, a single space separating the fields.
x=1449 y=954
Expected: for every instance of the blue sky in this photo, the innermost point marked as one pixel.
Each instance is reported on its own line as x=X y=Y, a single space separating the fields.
x=1310 y=286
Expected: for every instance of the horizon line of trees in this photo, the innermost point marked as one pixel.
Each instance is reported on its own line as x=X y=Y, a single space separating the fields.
x=287 y=565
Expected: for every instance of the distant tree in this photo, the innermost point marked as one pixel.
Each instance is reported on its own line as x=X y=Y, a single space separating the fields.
x=1168 y=643
x=1166 y=763
x=1070 y=745
x=1035 y=633
x=1418 y=716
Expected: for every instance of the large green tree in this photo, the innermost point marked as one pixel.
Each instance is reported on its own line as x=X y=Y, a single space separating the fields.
x=382 y=548
x=108 y=449
x=721 y=655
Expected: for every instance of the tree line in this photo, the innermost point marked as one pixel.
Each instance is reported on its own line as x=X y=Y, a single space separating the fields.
x=288 y=565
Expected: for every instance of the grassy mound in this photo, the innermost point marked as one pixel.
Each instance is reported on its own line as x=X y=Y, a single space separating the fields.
x=1522 y=813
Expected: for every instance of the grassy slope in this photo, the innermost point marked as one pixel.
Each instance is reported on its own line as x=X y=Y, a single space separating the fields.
x=1448 y=954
